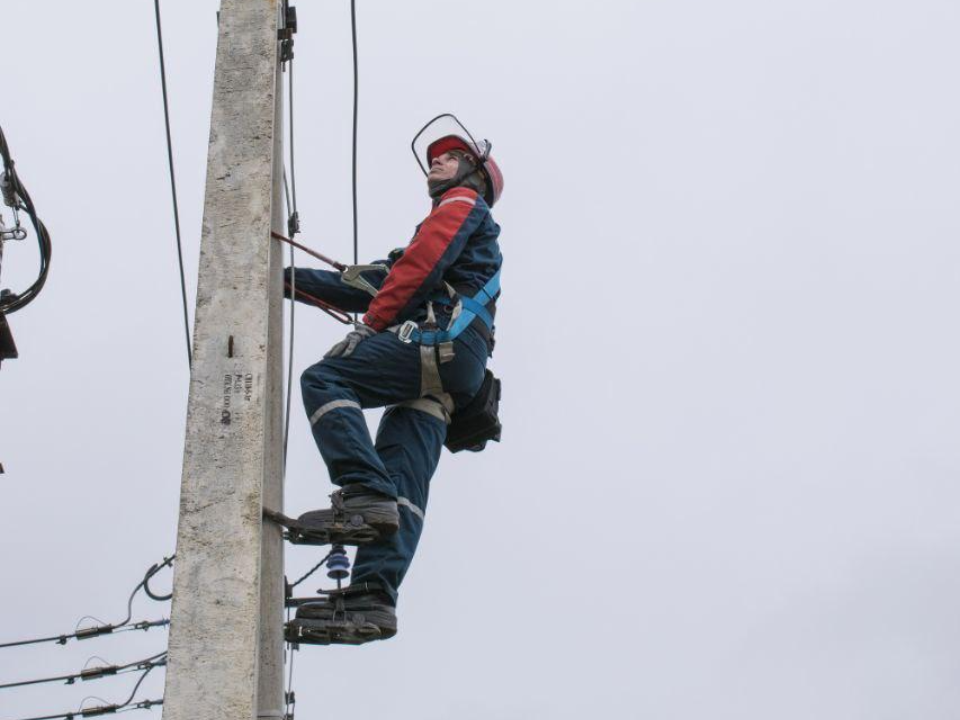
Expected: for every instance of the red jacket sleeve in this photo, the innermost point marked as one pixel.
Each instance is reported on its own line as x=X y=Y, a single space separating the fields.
x=439 y=241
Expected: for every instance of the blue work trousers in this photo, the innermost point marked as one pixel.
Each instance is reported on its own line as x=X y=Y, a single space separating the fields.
x=384 y=371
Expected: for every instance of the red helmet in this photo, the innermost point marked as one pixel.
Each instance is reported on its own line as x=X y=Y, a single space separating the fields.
x=461 y=139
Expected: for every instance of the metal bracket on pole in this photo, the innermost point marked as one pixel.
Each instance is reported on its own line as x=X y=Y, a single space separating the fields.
x=286 y=33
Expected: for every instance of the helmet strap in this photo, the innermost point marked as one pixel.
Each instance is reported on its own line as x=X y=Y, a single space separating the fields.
x=464 y=177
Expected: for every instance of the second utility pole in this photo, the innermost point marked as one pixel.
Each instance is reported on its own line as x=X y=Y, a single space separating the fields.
x=226 y=636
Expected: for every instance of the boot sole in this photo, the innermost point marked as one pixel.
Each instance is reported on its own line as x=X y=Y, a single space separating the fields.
x=355 y=530
x=349 y=628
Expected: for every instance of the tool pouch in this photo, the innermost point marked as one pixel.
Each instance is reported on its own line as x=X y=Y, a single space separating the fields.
x=478 y=422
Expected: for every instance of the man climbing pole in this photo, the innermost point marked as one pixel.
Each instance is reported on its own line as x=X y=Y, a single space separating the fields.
x=421 y=350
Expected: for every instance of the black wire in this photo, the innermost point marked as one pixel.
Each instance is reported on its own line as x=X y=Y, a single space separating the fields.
x=91 y=632
x=140 y=682
x=102 y=671
x=289 y=699
x=154 y=569
x=293 y=168
x=23 y=202
x=312 y=571
x=293 y=226
x=173 y=184
x=109 y=709
x=293 y=326
x=109 y=628
x=356 y=97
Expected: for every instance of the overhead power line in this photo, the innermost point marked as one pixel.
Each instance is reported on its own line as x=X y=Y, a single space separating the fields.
x=293 y=220
x=108 y=709
x=356 y=106
x=95 y=673
x=110 y=628
x=173 y=182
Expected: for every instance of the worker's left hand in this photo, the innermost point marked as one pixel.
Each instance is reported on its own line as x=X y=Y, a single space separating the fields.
x=345 y=347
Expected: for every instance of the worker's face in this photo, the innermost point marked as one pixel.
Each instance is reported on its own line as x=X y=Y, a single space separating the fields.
x=443 y=167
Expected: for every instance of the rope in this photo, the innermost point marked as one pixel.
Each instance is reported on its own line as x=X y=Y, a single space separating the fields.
x=173 y=183
x=333 y=311
x=313 y=253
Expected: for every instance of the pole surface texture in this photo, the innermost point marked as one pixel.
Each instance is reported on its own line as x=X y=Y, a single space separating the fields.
x=228 y=573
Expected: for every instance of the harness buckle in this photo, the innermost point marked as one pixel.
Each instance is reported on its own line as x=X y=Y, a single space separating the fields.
x=405 y=333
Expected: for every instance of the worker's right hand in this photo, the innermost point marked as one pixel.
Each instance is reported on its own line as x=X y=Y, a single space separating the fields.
x=345 y=347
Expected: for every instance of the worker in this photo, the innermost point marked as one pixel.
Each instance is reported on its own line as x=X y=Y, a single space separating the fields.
x=420 y=351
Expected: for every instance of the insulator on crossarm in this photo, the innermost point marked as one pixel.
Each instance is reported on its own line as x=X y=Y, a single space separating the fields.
x=338 y=564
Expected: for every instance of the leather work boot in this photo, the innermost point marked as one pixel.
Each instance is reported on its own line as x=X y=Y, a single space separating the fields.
x=354 y=508
x=352 y=616
x=358 y=515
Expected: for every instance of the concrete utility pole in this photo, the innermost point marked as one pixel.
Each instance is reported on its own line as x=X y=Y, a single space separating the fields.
x=226 y=635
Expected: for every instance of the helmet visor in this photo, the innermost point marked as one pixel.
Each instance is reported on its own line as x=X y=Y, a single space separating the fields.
x=442 y=134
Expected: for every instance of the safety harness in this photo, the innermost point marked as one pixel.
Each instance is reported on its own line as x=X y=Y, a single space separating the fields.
x=472 y=426
x=436 y=346
x=465 y=311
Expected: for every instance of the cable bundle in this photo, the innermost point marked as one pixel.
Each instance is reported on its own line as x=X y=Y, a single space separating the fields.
x=15 y=195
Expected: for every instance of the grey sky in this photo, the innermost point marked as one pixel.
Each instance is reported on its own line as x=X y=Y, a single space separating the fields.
x=728 y=482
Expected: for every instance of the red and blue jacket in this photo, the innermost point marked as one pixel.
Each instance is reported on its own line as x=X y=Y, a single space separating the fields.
x=456 y=244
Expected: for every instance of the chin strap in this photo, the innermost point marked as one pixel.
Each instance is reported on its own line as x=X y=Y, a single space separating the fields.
x=468 y=175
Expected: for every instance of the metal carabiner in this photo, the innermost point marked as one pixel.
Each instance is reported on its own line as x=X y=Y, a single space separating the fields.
x=352 y=276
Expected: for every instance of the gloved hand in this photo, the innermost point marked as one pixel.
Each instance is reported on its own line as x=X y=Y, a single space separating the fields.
x=345 y=347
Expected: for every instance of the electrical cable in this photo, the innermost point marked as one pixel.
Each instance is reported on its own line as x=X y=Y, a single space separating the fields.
x=289 y=698
x=16 y=196
x=293 y=227
x=311 y=571
x=294 y=220
x=173 y=184
x=293 y=327
x=109 y=709
x=108 y=628
x=94 y=673
x=356 y=103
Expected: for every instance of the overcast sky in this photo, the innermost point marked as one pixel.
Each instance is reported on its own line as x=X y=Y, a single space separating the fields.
x=728 y=482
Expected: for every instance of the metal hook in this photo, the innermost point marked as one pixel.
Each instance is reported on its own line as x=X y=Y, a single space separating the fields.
x=352 y=276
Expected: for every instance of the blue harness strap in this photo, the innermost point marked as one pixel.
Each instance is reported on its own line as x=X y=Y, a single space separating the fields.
x=471 y=309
